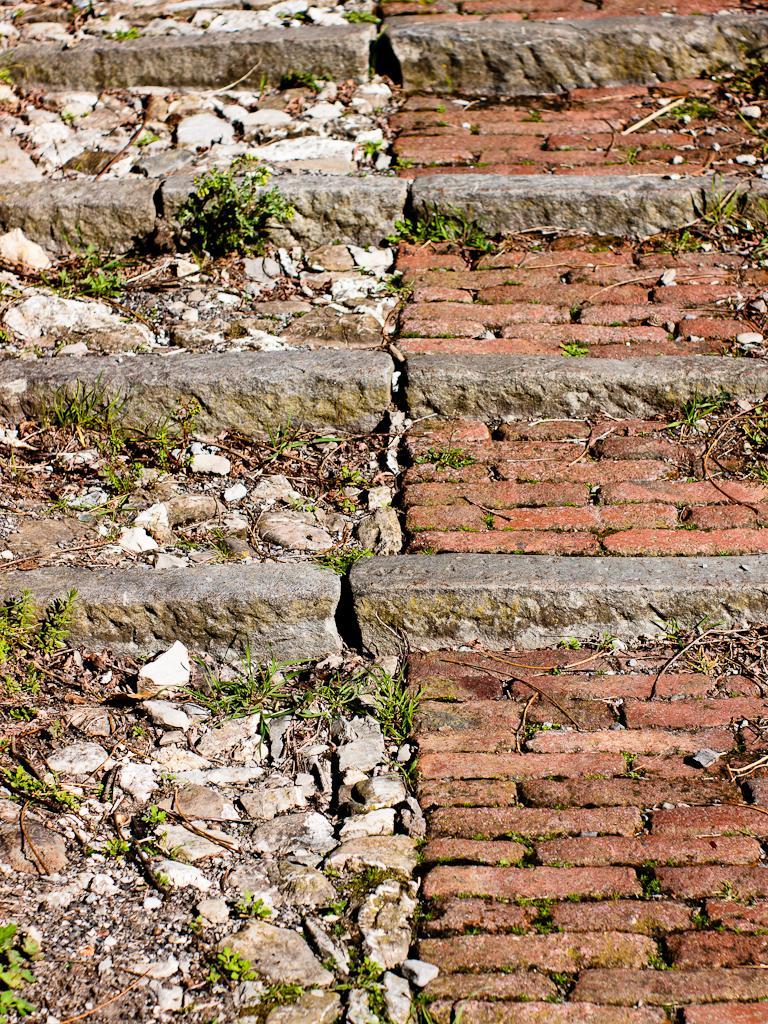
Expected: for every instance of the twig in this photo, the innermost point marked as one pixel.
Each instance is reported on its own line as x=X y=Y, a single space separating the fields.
x=43 y=867
x=108 y=1002
x=657 y=113
x=520 y=731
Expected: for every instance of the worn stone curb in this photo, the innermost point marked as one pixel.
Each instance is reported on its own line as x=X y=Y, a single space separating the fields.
x=247 y=392
x=208 y=60
x=126 y=212
x=501 y=387
x=635 y=205
x=286 y=610
x=508 y=58
x=527 y=600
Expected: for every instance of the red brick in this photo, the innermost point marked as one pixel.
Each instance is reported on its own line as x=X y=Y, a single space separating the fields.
x=737 y=916
x=516 y=985
x=474 y=851
x=458 y=793
x=431 y=294
x=696 y=296
x=498 y=495
x=702 y=493
x=692 y=714
x=533 y=821
x=687 y=542
x=632 y=741
x=518 y=766
x=727 y=1013
x=710 y=821
x=555 y=952
x=645 y=313
x=724 y=517
x=669 y=988
x=455 y=916
x=563 y=294
x=702 y=882
x=709 y=327
x=630 y=685
x=475 y=1012
x=546 y=543
x=717 y=949
x=646 y=917
x=637 y=850
x=626 y=792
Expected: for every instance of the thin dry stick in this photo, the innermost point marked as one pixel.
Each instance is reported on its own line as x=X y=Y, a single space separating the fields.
x=708 y=454
x=530 y=685
x=652 y=117
x=28 y=840
x=677 y=655
x=108 y=1002
x=520 y=731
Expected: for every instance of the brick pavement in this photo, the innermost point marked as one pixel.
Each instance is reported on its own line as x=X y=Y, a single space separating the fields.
x=605 y=301
x=582 y=133
x=579 y=866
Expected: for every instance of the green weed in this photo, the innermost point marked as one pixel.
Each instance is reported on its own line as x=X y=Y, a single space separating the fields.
x=229 y=210
x=300 y=80
x=341 y=560
x=90 y=273
x=229 y=965
x=446 y=458
x=16 y=957
x=29 y=636
x=29 y=788
x=252 y=906
x=442 y=226
x=574 y=349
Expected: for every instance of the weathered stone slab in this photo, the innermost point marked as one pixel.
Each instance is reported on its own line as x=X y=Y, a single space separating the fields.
x=500 y=387
x=437 y=601
x=113 y=215
x=285 y=611
x=207 y=60
x=250 y=392
x=329 y=208
x=523 y=58
x=634 y=205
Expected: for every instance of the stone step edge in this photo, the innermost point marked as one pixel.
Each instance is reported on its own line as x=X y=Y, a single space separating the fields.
x=429 y=602
x=527 y=58
x=125 y=213
x=244 y=392
x=209 y=60
x=495 y=388
x=468 y=57
x=286 y=611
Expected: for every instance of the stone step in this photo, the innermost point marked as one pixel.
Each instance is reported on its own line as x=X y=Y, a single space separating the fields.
x=123 y=213
x=244 y=392
x=525 y=58
x=633 y=205
x=433 y=601
x=212 y=60
x=501 y=387
x=282 y=611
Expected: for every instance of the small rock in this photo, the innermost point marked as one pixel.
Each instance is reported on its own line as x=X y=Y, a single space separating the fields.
x=751 y=111
x=201 y=803
x=169 y=671
x=266 y=804
x=385 y=922
x=390 y=853
x=214 y=911
x=293 y=530
x=311 y=1008
x=164 y=560
x=397 y=996
x=279 y=954
x=274 y=488
x=359 y=1008
x=203 y=130
x=16 y=851
x=138 y=781
x=78 y=759
x=366 y=748
x=308 y=887
x=303 y=837
x=238 y=739
x=166 y=714
x=749 y=339
x=189 y=847
x=235 y=493
x=135 y=540
x=183 y=876
x=374 y=823
x=419 y=972
x=381 y=532
x=704 y=758
x=380 y=791
x=155 y=521
x=206 y=462
x=15 y=247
